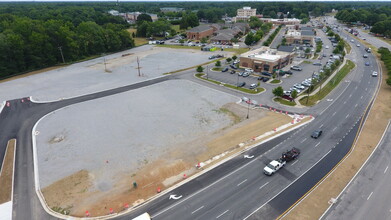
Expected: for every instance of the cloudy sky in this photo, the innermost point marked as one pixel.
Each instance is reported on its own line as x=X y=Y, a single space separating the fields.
x=184 y=0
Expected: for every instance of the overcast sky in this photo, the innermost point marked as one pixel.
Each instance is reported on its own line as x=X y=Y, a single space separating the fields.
x=187 y=1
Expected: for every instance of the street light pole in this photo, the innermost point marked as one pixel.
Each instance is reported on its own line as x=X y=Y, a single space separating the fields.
x=237 y=82
x=207 y=72
x=248 y=108
x=308 y=91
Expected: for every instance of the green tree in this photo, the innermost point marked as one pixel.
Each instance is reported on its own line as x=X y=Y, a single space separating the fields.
x=199 y=69
x=218 y=63
x=294 y=94
x=228 y=59
x=142 y=29
x=249 y=39
x=234 y=57
x=204 y=40
x=278 y=91
x=143 y=17
x=234 y=40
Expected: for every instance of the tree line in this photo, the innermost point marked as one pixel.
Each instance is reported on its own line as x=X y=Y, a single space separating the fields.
x=379 y=18
x=28 y=44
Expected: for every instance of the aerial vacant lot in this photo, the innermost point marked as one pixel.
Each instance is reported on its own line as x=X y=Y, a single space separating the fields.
x=148 y=135
x=90 y=76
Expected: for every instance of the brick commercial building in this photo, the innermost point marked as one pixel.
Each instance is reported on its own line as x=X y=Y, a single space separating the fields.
x=300 y=37
x=197 y=33
x=285 y=21
x=265 y=59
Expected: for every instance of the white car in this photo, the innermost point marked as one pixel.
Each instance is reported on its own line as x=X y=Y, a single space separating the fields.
x=352 y=40
x=298 y=86
x=358 y=45
x=249 y=70
x=374 y=73
x=287 y=92
x=327 y=47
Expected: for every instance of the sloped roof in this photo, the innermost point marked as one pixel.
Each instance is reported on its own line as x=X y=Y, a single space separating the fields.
x=306 y=28
x=222 y=36
x=200 y=28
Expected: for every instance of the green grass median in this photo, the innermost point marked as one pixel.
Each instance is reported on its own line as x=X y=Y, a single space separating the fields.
x=312 y=100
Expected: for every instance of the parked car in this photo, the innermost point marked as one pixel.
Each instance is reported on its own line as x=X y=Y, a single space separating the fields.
x=225 y=69
x=358 y=45
x=265 y=79
x=324 y=55
x=287 y=97
x=241 y=84
x=365 y=56
x=260 y=78
x=240 y=73
x=232 y=72
x=245 y=74
x=288 y=93
x=317 y=64
x=298 y=86
x=374 y=73
x=327 y=47
x=366 y=63
x=316 y=134
x=298 y=68
x=249 y=70
x=352 y=40
x=266 y=74
x=253 y=86
x=289 y=72
x=212 y=57
x=233 y=66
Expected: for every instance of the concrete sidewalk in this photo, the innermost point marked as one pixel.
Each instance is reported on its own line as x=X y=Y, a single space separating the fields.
x=6 y=211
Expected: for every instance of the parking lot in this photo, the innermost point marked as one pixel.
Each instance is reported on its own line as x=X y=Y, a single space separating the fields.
x=309 y=67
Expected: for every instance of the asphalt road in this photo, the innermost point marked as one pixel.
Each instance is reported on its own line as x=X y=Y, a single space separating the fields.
x=235 y=189
x=368 y=196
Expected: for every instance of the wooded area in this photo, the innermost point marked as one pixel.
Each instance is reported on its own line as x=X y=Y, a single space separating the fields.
x=39 y=37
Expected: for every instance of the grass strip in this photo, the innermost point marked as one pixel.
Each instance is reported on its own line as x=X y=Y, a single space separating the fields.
x=249 y=91
x=274 y=81
x=312 y=100
x=284 y=101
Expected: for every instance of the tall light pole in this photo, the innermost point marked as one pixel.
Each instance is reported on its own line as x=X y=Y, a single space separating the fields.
x=308 y=91
x=248 y=108
x=62 y=55
x=207 y=72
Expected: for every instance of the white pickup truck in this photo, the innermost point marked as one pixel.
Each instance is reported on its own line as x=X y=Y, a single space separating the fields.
x=273 y=167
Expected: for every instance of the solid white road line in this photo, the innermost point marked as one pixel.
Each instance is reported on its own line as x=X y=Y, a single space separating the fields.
x=347 y=116
x=222 y=213
x=334 y=113
x=356 y=105
x=369 y=196
x=350 y=95
x=361 y=97
x=242 y=182
x=263 y=185
x=197 y=210
x=317 y=144
x=344 y=102
x=334 y=128
x=303 y=140
x=321 y=126
x=386 y=169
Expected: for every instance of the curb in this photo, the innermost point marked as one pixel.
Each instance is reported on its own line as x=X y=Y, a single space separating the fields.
x=2 y=106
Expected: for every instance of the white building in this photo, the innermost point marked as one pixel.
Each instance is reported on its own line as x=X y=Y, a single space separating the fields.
x=244 y=14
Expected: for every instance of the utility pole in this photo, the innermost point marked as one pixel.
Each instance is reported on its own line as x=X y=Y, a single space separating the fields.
x=138 y=67
x=248 y=108
x=207 y=72
x=60 y=48
x=104 y=61
x=308 y=93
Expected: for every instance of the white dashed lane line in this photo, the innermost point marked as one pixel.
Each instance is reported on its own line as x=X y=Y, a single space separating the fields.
x=197 y=210
x=222 y=214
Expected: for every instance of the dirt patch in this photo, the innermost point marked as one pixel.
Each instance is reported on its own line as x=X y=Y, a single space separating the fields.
x=178 y=164
x=7 y=172
x=316 y=203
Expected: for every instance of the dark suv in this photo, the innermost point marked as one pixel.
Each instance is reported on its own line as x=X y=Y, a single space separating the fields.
x=316 y=134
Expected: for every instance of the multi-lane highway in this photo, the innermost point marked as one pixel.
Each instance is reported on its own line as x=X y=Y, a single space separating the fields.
x=236 y=189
